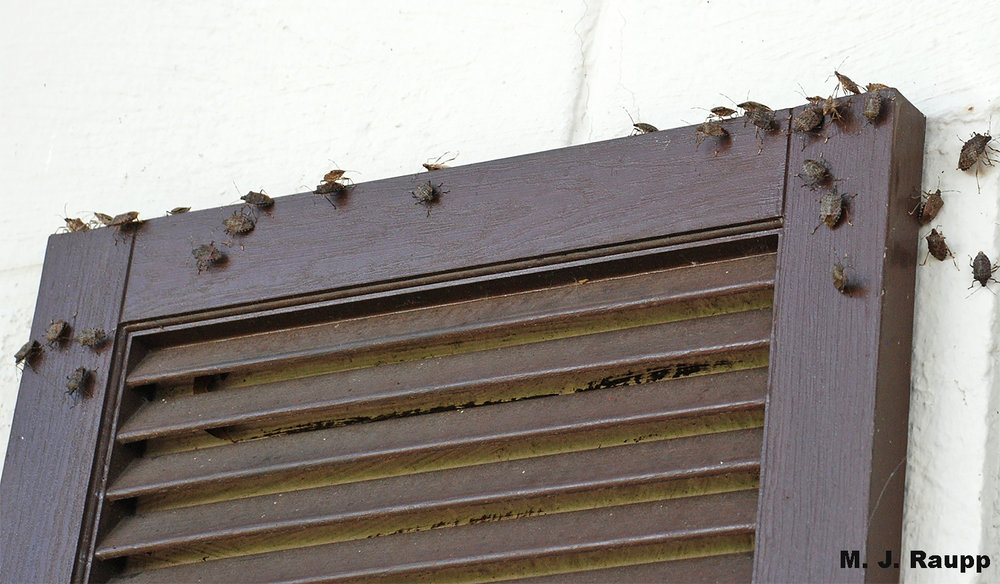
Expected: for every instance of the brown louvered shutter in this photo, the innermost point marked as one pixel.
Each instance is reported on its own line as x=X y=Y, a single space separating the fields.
x=570 y=371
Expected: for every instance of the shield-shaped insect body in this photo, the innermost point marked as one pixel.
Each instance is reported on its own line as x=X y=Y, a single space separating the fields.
x=92 y=337
x=239 y=223
x=207 y=255
x=79 y=381
x=57 y=332
x=28 y=353
x=936 y=245
x=259 y=200
x=982 y=269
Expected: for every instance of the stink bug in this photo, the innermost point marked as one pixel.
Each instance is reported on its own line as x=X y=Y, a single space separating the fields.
x=762 y=117
x=28 y=353
x=722 y=112
x=831 y=206
x=239 y=223
x=259 y=200
x=123 y=219
x=438 y=164
x=976 y=150
x=640 y=127
x=207 y=255
x=982 y=270
x=928 y=207
x=92 y=338
x=936 y=246
x=815 y=173
x=178 y=210
x=75 y=224
x=79 y=381
x=809 y=120
x=57 y=332
x=840 y=281
x=710 y=129
x=873 y=106
x=847 y=84
x=427 y=194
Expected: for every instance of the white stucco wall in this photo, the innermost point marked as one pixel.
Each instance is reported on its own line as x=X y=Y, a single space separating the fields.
x=113 y=106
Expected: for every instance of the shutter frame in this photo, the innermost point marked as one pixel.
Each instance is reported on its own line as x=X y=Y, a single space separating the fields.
x=752 y=194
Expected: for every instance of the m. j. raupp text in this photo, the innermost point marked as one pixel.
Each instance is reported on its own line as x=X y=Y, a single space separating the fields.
x=920 y=559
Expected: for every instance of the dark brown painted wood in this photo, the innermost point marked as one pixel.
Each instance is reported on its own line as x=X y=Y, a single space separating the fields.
x=454 y=496
x=836 y=424
x=53 y=436
x=547 y=313
x=727 y=569
x=835 y=437
x=528 y=427
x=532 y=206
x=525 y=547
x=556 y=366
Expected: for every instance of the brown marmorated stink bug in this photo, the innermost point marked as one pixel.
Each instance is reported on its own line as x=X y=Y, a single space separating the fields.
x=123 y=221
x=876 y=86
x=57 y=332
x=207 y=255
x=840 y=280
x=873 y=105
x=975 y=150
x=723 y=112
x=334 y=185
x=427 y=194
x=847 y=84
x=28 y=353
x=640 y=127
x=92 y=337
x=74 y=224
x=815 y=173
x=936 y=246
x=928 y=207
x=79 y=382
x=258 y=199
x=831 y=206
x=810 y=120
x=762 y=117
x=239 y=223
x=178 y=210
x=439 y=164
x=982 y=269
x=710 y=128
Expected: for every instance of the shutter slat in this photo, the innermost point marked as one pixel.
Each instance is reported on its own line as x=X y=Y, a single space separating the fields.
x=625 y=534
x=557 y=366
x=516 y=429
x=723 y=461
x=474 y=322
x=727 y=569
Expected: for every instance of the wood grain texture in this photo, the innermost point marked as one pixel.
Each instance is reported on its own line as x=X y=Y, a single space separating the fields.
x=519 y=488
x=47 y=470
x=412 y=444
x=562 y=365
x=551 y=312
x=839 y=394
x=530 y=546
x=531 y=206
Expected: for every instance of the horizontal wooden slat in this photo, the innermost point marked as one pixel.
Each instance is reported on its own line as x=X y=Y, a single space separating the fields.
x=503 y=431
x=672 y=294
x=726 y=569
x=558 y=366
x=532 y=206
x=621 y=535
x=546 y=484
